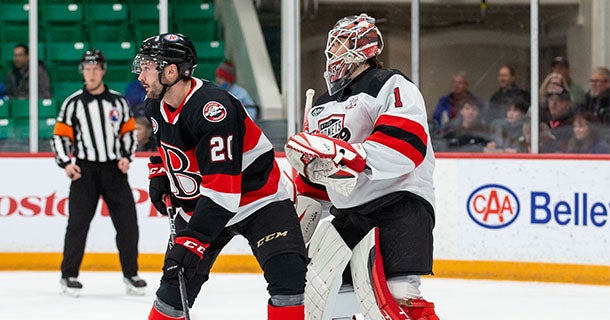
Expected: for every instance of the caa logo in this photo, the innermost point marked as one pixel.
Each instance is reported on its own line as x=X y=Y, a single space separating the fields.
x=493 y=206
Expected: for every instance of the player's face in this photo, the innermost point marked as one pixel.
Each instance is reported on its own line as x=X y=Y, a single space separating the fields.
x=93 y=74
x=149 y=78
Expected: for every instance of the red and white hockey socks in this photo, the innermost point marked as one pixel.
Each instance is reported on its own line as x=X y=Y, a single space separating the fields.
x=286 y=313
x=157 y=315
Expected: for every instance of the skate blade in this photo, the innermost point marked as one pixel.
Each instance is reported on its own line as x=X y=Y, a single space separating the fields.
x=133 y=291
x=71 y=292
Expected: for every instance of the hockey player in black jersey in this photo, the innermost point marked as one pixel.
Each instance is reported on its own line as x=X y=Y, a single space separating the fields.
x=366 y=148
x=220 y=169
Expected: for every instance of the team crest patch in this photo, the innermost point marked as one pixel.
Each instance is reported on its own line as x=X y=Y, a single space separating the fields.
x=154 y=125
x=214 y=111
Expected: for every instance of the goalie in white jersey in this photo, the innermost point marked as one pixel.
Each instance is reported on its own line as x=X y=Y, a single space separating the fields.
x=366 y=147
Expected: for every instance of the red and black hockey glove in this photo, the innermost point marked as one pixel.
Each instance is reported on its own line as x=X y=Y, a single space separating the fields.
x=186 y=253
x=158 y=185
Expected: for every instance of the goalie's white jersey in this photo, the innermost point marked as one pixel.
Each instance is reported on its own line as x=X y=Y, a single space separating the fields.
x=385 y=112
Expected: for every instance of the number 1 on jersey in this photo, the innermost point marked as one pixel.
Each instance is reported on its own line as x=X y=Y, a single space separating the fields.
x=397 y=101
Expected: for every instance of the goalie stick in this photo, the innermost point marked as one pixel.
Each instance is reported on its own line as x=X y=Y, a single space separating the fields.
x=308 y=104
x=171 y=213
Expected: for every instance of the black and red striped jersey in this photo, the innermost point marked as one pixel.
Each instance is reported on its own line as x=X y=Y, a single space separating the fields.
x=384 y=111
x=221 y=166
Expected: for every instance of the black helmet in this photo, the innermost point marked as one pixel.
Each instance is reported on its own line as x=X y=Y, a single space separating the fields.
x=166 y=49
x=92 y=57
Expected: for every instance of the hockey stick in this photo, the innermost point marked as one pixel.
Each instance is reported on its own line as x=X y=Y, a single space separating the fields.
x=308 y=103
x=171 y=212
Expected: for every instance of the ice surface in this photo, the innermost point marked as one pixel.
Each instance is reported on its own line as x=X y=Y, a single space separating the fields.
x=36 y=295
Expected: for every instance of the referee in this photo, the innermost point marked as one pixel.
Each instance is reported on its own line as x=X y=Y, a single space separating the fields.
x=96 y=127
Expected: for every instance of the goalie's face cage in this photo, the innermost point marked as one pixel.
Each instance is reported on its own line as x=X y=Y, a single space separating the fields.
x=351 y=42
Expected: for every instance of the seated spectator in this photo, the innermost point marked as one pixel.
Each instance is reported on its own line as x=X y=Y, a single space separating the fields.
x=448 y=105
x=597 y=99
x=546 y=141
x=135 y=95
x=586 y=135
x=225 y=78
x=562 y=66
x=17 y=82
x=467 y=132
x=554 y=82
x=508 y=132
x=508 y=91
x=561 y=117
x=144 y=134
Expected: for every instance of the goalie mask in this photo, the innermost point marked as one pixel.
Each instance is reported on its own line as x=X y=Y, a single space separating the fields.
x=166 y=49
x=352 y=41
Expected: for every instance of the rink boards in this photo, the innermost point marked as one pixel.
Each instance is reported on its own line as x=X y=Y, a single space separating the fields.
x=497 y=217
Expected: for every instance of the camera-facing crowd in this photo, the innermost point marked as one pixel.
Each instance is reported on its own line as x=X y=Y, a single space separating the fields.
x=570 y=119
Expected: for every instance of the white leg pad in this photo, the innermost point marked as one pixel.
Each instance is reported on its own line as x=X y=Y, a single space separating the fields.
x=329 y=256
x=361 y=268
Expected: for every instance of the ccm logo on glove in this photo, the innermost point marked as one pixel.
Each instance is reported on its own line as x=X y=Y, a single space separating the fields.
x=192 y=244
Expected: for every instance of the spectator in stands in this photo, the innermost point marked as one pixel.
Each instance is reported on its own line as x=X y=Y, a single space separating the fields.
x=225 y=78
x=2 y=91
x=467 y=132
x=508 y=132
x=546 y=141
x=585 y=138
x=562 y=116
x=562 y=66
x=448 y=106
x=144 y=134
x=554 y=82
x=18 y=79
x=508 y=91
x=597 y=99
x=135 y=95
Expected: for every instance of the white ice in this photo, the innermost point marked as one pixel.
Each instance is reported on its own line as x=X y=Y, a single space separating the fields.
x=36 y=295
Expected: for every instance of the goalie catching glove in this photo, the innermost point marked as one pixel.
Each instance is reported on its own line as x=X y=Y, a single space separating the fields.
x=325 y=160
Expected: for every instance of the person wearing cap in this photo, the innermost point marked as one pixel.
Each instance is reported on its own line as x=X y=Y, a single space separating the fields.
x=561 y=116
x=225 y=78
x=562 y=66
x=94 y=143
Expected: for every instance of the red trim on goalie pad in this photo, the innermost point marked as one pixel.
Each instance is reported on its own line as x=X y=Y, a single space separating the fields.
x=386 y=303
x=286 y=313
x=415 y=309
x=157 y=315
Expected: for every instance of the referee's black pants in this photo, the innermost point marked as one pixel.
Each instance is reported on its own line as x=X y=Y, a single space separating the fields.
x=106 y=180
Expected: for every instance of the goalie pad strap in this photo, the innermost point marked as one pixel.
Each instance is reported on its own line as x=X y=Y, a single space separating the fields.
x=329 y=257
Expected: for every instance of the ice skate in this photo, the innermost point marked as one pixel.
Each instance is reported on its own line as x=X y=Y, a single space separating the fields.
x=135 y=285
x=71 y=286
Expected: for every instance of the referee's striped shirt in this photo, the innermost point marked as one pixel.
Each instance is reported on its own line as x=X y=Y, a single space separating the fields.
x=98 y=128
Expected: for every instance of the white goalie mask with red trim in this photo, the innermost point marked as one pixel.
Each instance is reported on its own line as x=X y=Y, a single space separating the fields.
x=352 y=41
